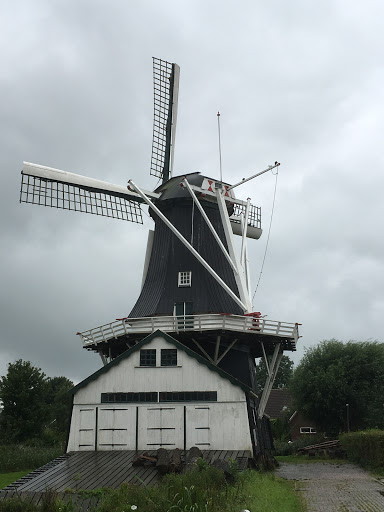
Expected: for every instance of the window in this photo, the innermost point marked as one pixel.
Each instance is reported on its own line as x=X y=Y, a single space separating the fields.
x=148 y=357
x=151 y=396
x=185 y=278
x=168 y=357
x=184 y=310
x=188 y=396
x=307 y=430
x=163 y=396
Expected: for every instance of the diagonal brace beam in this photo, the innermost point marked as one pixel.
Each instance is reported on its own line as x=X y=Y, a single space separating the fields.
x=203 y=351
x=226 y=351
x=176 y=232
x=273 y=367
x=209 y=224
x=240 y=277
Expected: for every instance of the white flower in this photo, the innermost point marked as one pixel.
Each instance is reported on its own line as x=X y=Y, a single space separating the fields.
x=133 y=507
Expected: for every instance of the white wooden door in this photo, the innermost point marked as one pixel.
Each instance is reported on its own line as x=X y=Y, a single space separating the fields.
x=161 y=427
x=198 y=426
x=87 y=423
x=116 y=428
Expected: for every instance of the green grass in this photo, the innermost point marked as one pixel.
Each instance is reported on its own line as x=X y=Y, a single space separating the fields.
x=18 y=457
x=267 y=493
x=8 y=478
x=305 y=459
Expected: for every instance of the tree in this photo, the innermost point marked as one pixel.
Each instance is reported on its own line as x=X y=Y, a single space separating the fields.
x=59 y=402
x=31 y=402
x=22 y=393
x=334 y=374
x=283 y=376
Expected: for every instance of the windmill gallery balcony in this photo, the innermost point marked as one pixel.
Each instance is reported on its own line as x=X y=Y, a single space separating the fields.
x=249 y=329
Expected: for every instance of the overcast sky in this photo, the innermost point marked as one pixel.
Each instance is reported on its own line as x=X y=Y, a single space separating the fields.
x=299 y=82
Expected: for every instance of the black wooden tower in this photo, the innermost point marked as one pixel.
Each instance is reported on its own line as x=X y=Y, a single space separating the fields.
x=196 y=285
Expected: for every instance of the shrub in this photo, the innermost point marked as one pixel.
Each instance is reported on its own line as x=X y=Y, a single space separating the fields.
x=365 y=447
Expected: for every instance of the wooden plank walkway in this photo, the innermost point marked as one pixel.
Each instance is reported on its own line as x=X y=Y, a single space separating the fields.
x=92 y=470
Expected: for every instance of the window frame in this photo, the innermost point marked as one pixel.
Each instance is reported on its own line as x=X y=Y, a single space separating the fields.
x=187 y=396
x=164 y=352
x=130 y=397
x=311 y=430
x=184 y=279
x=148 y=357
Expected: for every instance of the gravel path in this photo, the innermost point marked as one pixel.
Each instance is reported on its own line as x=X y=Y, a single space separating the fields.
x=335 y=488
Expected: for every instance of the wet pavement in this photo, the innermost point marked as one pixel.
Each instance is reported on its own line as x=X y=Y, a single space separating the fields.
x=335 y=487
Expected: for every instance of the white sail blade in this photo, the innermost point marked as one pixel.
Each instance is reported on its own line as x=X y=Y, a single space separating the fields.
x=60 y=189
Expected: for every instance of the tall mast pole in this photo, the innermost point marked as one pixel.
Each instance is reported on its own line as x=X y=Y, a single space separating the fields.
x=218 y=128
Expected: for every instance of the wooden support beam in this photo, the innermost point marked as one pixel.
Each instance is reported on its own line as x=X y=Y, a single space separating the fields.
x=203 y=351
x=274 y=366
x=217 y=347
x=226 y=351
x=103 y=358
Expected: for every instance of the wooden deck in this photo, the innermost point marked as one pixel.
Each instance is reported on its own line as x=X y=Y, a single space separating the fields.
x=92 y=470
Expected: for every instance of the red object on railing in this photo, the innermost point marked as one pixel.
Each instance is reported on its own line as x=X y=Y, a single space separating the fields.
x=255 y=320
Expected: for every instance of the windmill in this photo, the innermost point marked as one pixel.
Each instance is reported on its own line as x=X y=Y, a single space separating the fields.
x=195 y=284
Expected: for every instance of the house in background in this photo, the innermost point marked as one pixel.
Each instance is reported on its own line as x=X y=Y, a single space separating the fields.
x=279 y=406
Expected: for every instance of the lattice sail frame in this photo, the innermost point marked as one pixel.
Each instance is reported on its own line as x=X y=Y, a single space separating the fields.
x=55 y=194
x=165 y=82
x=254 y=215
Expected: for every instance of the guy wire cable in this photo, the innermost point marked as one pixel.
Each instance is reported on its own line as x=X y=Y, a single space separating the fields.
x=269 y=232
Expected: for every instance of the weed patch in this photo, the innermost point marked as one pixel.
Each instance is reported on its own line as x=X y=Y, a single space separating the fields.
x=202 y=490
x=19 y=457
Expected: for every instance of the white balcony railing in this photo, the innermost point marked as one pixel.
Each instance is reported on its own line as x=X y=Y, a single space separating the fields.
x=199 y=323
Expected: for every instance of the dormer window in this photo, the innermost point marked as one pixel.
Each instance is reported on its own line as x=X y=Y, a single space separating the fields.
x=185 y=279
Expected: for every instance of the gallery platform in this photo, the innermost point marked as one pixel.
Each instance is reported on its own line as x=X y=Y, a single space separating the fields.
x=114 y=337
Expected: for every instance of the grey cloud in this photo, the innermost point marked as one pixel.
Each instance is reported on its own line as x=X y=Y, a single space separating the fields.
x=295 y=82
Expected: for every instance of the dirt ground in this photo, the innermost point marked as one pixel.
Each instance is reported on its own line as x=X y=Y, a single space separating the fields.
x=335 y=487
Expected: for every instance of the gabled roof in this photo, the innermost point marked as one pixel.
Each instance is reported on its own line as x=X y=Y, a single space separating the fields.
x=177 y=344
x=279 y=402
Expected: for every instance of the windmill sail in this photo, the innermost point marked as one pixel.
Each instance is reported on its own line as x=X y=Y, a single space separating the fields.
x=60 y=189
x=166 y=90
